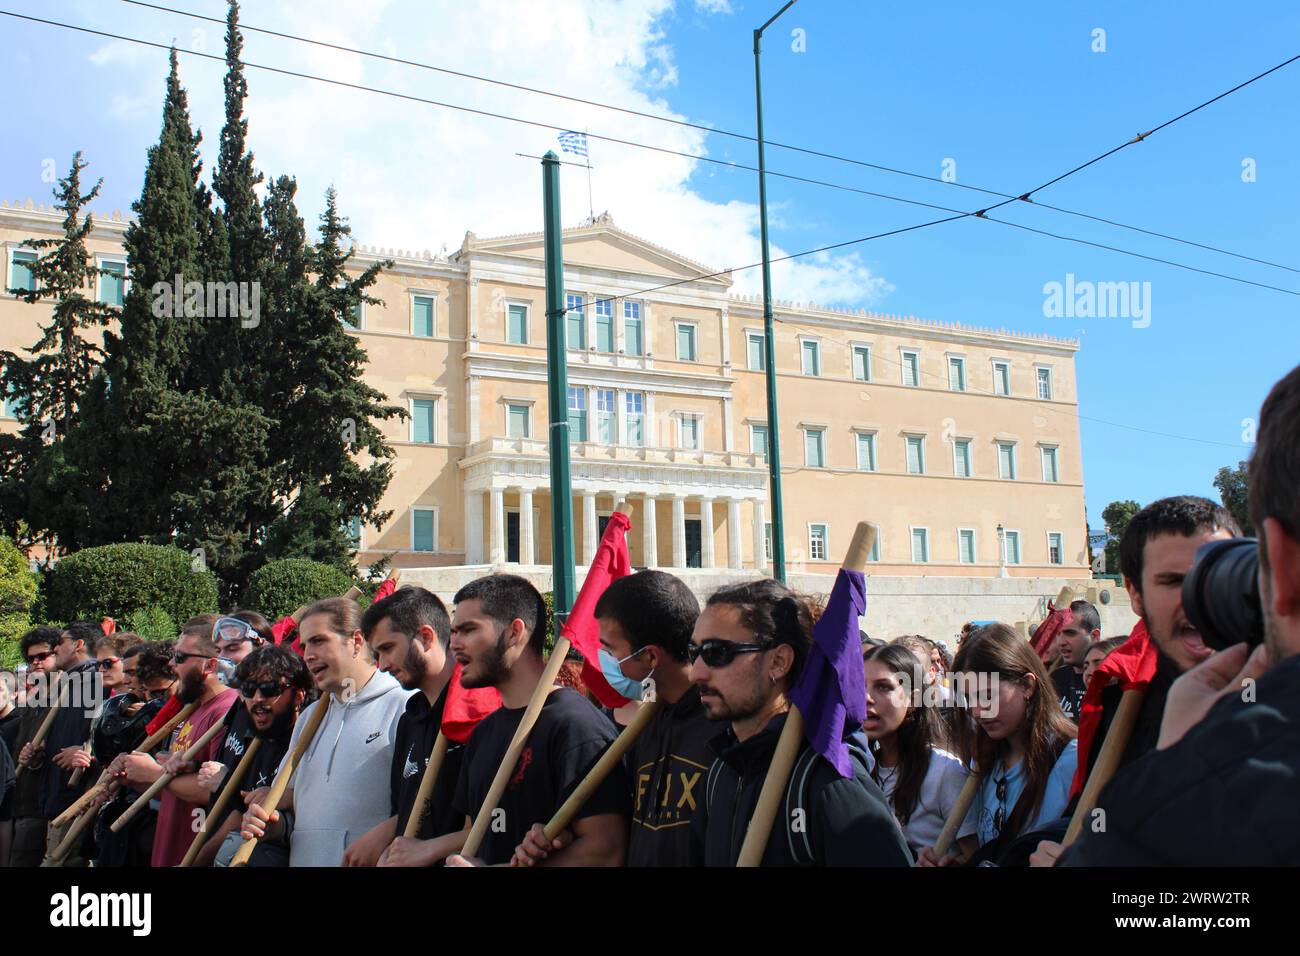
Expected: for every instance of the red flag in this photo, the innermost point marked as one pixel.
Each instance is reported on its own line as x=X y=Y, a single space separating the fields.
x=1044 y=637
x=168 y=711
x=108 y=626
x=610 y=564
x=1134 y=664
x=465 y=708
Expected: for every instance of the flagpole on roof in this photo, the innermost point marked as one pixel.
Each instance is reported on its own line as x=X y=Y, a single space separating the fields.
x=591 y=206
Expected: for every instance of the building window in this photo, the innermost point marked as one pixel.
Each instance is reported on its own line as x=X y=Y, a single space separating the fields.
x=920 y=545
x=1055 y=548
x=422 y=316
x=754 y=349
x=422 y=421
x=1007 y=460
x=606 y=416
x=604 y=325
x=575 y=321
x=911 y=368
x=812 y=357
x=961 y=458
x=1050 y=472
x=814 y=447
x=424 y=529
x=966 y=545
x=690 y=429
x=1011 y=547
x=353 y=530
x=916 y=454
x=13 y=407
x=758 y=440
x=685 y=342
x=875 y=550
x=112 y=283
x=633 y=338
x=817 y=549
x=517 y=324
x=866 y=451
x=352 y=319
x=1001 y=378
x=1045 y=383
x=956 y=373
x=517 y=424
x=577 y=413
x=862 y=363
x=20 y=271
x=635 y=402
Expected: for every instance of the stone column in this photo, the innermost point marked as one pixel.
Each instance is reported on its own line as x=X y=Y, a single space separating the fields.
x=706 y=533
x=679 y=531
x=589 y=528
x=526 y=555
x=760 y=557
x=473 y=527
x=497 y=554
x=733 y=533
x=649 y=533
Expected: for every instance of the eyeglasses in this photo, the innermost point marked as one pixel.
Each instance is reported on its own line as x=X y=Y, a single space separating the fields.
x=269 y=689
x=719 y=653
x=38 y=658
x=1000 y=818
x=180 y=657
x=106 y=663
x=234 y=631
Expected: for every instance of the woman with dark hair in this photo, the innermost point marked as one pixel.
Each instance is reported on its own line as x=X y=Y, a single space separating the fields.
x=1017 y=735
x=919 y=777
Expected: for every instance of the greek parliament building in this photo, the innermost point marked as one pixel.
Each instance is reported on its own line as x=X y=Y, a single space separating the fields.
x=962 y=444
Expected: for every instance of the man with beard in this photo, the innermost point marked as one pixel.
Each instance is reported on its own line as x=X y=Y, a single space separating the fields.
x=749 y=645
x=409 y=633
x=497 y=635
x=273 y=683
x=1220 y=788
x=646 y=620
x=195 y=663
x=340 y=790
x=30 y=824
x=1077 y=636
x=1156 y=553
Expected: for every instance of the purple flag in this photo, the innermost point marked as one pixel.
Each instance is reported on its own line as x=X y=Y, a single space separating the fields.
x=831 y=692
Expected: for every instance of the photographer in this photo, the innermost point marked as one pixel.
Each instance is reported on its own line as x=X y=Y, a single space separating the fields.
x=1219 y=790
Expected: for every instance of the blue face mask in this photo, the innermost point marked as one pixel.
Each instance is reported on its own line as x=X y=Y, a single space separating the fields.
x=613 y=673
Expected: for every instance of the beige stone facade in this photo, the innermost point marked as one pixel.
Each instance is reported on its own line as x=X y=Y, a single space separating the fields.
x=896 y=420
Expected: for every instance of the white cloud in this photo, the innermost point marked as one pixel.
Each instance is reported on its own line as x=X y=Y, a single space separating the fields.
x=410 y=175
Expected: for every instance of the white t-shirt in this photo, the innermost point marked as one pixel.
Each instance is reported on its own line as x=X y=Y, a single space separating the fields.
x=943 y=782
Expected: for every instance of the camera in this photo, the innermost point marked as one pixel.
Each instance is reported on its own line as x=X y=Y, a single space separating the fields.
x=1221 y=593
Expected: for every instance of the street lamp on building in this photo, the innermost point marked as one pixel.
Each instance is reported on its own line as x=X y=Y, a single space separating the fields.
x=1002 y=551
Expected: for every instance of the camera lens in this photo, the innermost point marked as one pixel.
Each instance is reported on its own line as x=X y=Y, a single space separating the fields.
x=1221 y=593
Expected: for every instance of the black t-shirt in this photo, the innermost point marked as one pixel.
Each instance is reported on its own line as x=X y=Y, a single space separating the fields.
x=8 y=777
x=240 y=732
x=667 y=765
x=1070 y=689
x=9 y=731
x=416 y=733
x=568 y=738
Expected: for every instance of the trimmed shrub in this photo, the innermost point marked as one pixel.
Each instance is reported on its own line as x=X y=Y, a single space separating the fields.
x=118 y=580
x=17 y=595
x=153 y=623
x=281 y=587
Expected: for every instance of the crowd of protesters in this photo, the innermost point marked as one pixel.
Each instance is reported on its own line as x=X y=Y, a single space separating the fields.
x=976 y=756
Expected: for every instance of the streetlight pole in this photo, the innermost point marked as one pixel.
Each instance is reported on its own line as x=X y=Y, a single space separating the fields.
x=1002 y=551
x=769 y=335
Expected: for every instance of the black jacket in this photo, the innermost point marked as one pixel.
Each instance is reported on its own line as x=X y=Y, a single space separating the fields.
x=824 y=819
x=81 y=691
x=1225 y=795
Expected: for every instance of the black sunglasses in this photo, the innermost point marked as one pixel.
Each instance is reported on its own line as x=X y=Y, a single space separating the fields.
x=37 y=658
x=1000 y=818
x=269 y=689
x=180 y=657
x=719 y=653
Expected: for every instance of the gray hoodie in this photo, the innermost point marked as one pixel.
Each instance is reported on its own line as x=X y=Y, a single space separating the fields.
x=341 y=788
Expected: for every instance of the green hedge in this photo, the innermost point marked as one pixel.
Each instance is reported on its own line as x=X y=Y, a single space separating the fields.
x=17 y=595
x=281 y=587
x=120 y=580
x=153 y=623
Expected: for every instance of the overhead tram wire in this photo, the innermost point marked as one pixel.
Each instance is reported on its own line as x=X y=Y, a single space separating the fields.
x=958 y=214
x=744 y=136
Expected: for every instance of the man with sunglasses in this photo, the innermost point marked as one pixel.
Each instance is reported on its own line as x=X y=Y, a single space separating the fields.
x=37 y=647
x=195 y=663
x=646 y=620
x=749 y=644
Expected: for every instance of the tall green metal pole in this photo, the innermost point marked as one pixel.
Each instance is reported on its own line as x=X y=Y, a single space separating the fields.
x=557 y=393
x=769 y=334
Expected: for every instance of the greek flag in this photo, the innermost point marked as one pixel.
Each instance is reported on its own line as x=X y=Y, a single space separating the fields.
x=575 y=143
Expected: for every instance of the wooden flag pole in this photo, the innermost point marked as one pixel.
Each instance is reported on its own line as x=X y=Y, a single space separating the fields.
x=791 y=739
x=425 y=793
x=44 y=729
x=112 y=786
x=80 y=771
x=604 y=766
x=955 y=816
x=1112 y=751
x=228 y=793
x=159 y=785
x=69 y=839
x=282 y=779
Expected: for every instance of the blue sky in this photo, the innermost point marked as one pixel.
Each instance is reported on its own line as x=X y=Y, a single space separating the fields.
x=1014 y=95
